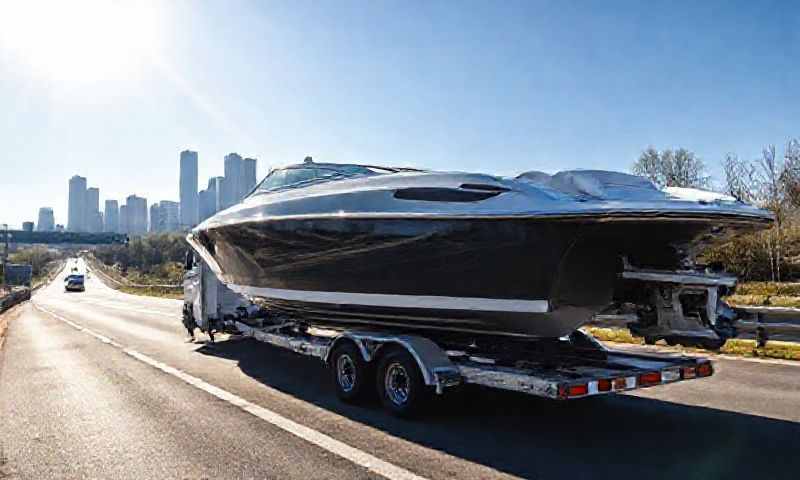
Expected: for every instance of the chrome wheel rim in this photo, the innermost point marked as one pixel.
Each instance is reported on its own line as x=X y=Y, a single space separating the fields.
x=396 y=383
x=346 y=372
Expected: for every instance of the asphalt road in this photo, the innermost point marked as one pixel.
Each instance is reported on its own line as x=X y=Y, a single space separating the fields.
x=112 y=401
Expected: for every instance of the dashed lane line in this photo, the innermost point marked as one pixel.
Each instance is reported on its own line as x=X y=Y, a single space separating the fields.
x=354 y=455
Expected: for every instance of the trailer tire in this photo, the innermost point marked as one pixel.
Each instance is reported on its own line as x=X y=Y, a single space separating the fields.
x=401 y=388
x=350 y=373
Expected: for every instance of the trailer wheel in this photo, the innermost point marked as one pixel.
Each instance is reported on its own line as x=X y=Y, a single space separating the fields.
x=350 y=373
x=400 y=384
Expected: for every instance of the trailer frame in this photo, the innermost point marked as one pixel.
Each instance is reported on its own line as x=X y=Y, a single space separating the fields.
x=442 y=368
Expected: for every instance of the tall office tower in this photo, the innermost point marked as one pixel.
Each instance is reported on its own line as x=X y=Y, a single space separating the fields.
x=170 y=216
x=137 y=215
x=204 y=204
x=219 y=193
x=124 y=224
x=208 y=199
x=47 y=221
x=94 y=222
x=111 y=217
x=233 y=179
x=188 y=189
x=248 y=176
x=76 y=214
x=27 y=226
x=156 y=222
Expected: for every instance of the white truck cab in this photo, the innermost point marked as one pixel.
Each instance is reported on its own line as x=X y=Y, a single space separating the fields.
x=206 y=300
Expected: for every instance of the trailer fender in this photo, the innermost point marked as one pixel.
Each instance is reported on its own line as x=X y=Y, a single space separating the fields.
x=436 y=368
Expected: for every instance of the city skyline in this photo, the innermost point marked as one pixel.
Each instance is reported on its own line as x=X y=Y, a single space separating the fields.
x=84 y=213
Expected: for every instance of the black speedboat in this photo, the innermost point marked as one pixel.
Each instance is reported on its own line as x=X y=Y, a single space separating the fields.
x=535 y=256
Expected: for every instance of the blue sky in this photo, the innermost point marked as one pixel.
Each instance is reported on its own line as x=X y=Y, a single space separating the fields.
x=500 y=87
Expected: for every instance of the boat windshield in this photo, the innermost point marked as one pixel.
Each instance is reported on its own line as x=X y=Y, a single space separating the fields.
x=299 y=176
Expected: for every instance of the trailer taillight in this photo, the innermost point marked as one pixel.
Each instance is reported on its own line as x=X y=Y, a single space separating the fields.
x=578 y=390
x=688 y=372
x=652 y=378
x=704 y=370
x=622 y=383
x=604 y=385
x=567 y=391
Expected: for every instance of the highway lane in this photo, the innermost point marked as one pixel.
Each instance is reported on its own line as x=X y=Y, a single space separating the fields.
x=75 y=403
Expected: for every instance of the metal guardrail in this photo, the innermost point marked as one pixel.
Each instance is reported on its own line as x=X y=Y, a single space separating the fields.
x=15 y=297
x=764 y=322
x=761 y=322
x=18 y=295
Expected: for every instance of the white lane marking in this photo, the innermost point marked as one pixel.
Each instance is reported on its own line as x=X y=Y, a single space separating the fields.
x=120 y=306
x=354 y=455
x=400 y=301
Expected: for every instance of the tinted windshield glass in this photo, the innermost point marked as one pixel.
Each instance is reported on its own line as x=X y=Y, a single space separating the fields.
x=302 y=176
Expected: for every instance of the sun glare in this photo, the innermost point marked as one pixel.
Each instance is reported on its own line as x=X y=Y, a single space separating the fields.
x=81 y=40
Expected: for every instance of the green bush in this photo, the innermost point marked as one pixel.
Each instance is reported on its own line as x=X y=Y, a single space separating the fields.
x=154 y=255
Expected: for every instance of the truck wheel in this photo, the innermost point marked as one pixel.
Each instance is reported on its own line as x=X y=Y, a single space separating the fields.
x=400 y=384
x=350 y=373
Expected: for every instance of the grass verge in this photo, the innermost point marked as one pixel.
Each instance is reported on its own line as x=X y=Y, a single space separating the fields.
x=774 y=294
x=176 y=294
x=745 y=348
x=112 y=279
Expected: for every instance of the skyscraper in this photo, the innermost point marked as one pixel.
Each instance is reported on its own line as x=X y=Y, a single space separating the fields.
x=156 y=222
x=248 y=176
x=188 y=189
x=206 y=207
x=94 y=221
x=47 y=221
x=209 y=198
x=170 y=215
x=111 y=217
x=123 y=219
x=233 y=180
x=76 y=215
x=219 y=201
x=137 y=215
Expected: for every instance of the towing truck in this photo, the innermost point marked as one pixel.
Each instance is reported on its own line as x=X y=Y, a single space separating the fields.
x=408 y=368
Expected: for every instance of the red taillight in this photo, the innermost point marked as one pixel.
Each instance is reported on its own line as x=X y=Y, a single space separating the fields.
x=566 y=391
x=688 y=372
x=620 y=383
x=577 y=390
x=652 y=378
x=604 y=385
x=704 y=370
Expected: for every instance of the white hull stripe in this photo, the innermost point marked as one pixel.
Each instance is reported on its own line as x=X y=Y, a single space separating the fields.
x=399 y=301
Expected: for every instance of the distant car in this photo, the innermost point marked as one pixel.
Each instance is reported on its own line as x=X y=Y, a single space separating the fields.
x=74 y=283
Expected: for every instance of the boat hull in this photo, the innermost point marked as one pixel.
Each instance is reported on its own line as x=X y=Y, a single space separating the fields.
x=519 y=277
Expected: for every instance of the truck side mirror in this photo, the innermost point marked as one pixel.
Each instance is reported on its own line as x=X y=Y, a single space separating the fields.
x=189 y=262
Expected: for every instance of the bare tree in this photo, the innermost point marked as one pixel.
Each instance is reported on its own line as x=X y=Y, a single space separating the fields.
x=649 y=166
x=741 y=180
x=772 y=173
x=791 y=172
x=679 y=168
